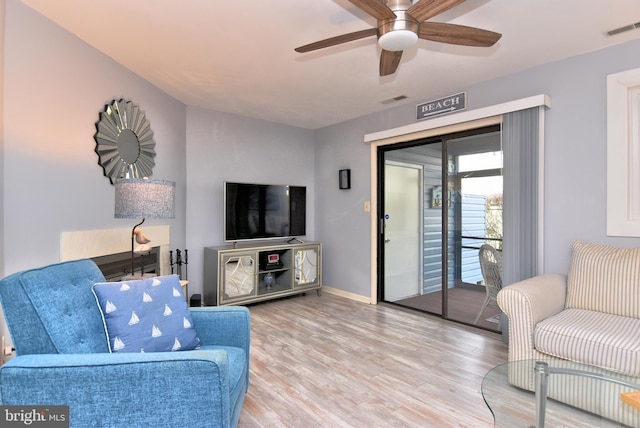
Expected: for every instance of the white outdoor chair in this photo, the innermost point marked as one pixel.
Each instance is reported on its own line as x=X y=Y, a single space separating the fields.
x=491 y=267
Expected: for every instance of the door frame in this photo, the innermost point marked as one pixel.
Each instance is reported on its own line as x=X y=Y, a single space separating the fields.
x=462 y=121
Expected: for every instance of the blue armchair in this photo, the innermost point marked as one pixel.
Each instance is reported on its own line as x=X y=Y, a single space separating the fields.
x=63 y=358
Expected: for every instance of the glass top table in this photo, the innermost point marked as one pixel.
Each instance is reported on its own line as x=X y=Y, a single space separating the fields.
x=515 y=407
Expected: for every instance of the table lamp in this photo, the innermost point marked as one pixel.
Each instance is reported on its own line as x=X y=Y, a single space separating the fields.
x=143 y=198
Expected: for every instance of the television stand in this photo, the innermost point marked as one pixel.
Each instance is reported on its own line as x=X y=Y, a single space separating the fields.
x=248 y=273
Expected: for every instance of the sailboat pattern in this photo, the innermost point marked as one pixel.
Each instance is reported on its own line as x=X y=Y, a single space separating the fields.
x=147 y=315
x=176 y=345
x=118 y=344
x=110 y=307
x=134 y=318
x=155 y=332
x=167 y=311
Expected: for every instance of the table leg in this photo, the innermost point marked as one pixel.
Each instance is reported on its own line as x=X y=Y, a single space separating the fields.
x=541 y=379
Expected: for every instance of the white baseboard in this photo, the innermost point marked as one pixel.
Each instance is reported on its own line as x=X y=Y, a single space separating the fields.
x=346 y=294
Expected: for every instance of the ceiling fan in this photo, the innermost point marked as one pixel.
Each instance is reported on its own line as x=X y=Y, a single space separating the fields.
x=401 y=24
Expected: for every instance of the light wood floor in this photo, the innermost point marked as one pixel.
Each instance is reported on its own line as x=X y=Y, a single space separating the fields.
x=332 y=362
x=464 y=305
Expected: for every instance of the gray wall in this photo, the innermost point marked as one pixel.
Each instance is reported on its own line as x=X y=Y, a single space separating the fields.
x=55 y=86
x=226 y=147
x=341 y=223
x=575 y=162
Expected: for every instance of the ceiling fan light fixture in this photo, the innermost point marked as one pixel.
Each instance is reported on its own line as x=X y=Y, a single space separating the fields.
x=398 y=40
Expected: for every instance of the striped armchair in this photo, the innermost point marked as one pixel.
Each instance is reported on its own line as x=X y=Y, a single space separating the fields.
x=591 y=316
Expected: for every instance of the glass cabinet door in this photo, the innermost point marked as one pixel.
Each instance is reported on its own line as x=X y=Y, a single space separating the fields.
x=306 y=266
x=239 y=276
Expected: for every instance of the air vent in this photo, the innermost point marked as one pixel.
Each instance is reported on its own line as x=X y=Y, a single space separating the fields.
x=394 y=99
x=624 y=29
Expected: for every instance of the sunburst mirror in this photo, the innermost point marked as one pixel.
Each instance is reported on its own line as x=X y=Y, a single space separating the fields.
x=124 y=142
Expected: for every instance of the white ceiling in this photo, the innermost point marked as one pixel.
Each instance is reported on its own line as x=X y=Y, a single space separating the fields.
x=238 y=56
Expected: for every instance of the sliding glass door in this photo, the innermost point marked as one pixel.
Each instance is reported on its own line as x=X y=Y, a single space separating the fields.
x=474 y=228
x=455 y=196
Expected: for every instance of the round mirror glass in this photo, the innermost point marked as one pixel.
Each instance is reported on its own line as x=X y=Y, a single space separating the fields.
x=128 y=146
x=124 y=142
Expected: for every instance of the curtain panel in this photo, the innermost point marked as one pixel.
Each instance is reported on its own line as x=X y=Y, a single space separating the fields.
x=520 y=140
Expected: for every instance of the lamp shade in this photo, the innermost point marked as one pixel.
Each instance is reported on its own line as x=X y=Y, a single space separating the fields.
x=140 y=198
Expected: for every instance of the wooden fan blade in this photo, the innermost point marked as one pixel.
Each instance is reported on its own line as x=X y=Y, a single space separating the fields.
x=337 y=40
x=375 y=8
x=389 y=61
x=457 y=34
x=425 y=9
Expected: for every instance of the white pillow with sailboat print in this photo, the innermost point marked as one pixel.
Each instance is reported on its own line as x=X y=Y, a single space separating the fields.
x=146 y=315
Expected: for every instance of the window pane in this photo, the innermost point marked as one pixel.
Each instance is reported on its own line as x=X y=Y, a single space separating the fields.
x=480 y=161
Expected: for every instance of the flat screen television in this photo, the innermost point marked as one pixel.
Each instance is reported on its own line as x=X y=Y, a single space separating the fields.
x=263 y=211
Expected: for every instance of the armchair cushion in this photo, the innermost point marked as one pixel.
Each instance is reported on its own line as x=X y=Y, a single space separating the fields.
x=594 y=338
x=146 y=315
x=191 y=388
x=604 y=279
